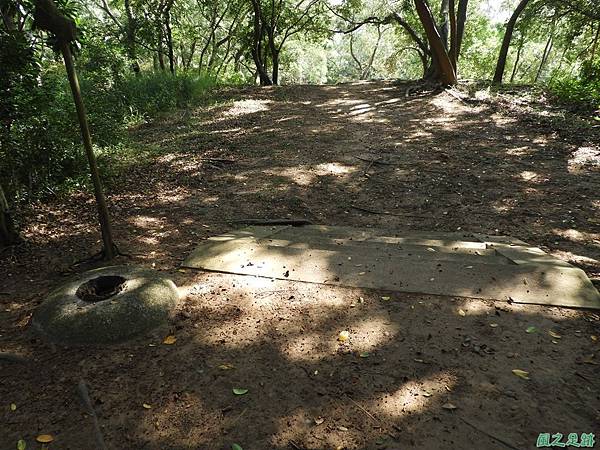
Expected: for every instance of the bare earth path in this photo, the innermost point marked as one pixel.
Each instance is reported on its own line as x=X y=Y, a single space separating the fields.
x=514 y=169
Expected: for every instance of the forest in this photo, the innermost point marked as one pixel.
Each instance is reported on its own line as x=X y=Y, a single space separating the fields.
x=137 y=59
x=299 y=224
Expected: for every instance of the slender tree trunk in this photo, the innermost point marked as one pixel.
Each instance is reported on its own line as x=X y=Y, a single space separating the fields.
x=545 y=56
x=105 y=227
x=518 y=58
x=367 y=70
x=443 y=30
x=453 y=35
x=256 y=45
x=510 y=27
x=171 y=55
x=8 y=233
x=461 y=18
x=595 y=44
x=445 y=72
x=131 y=28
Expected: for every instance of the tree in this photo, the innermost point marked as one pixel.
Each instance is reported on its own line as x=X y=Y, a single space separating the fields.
x=510 y=26
x=48 y=18
x=443 y=69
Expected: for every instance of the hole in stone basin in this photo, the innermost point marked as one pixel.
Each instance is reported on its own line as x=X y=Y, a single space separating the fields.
x=101 y=288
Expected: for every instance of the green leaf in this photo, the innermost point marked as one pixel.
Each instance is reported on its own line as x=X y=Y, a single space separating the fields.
x=531 y=330
x=21 y=445
x=236 y=447
x=240 y=391
x=364 y=354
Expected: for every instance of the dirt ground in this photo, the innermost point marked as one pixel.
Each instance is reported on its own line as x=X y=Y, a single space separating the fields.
x=417 y=372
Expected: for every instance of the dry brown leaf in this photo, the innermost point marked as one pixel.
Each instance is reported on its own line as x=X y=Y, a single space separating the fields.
x=169 y=340
x=44 y=438
x=449 y=406
x=521 y=373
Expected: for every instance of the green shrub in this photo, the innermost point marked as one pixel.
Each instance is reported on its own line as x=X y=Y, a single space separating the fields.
x=584 y=89
x=42 y=150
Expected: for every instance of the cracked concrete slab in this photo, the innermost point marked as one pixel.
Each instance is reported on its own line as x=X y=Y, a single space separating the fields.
x=450 y=264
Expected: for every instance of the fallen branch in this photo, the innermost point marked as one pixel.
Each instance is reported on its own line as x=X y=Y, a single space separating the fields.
x=491 y=436
x=376 y=161
x=221 y=160
x=85 y=398
x=292 y=222
x=11 y=357
x=387 y=213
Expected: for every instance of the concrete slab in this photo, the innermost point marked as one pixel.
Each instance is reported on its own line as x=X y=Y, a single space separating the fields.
x=452 y=264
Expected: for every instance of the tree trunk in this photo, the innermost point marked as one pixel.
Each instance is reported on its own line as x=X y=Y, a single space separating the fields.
x=595 y=44
x=256 y=45
x=461 y=18
x=516 y=66
x=8 y=234
x=367 y=70
x=171 y=55
x=444 y=72
x=510 y=27
x=545 y=56
x=130 y=37
x=105 y=227
x=443 y=30
x=453 y=34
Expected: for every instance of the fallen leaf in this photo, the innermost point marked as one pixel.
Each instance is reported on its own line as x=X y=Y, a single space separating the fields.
x=449 y=406
x=589 y=360
x=343 y=336
x=426 y=394
x=461 y=313
x=240 y=391
x=385 y=298
x=170 y=340
x=182 y=270
x=554 y=335
x=319 y=421
x=594 y=338
x=429 y=249
x=146 y=406
x=236 y=447
x=342 y=428
x=21 y=444
x=44 y=438
x=531 y=330
x=364 y=354
x=521 y=373
x=226 y=366
x=494 y=325
x=13 y=407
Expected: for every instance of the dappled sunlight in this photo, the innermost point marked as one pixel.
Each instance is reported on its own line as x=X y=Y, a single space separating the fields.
x=249 y=106
x=584 y=159
x=577 y=235
x=416 y=396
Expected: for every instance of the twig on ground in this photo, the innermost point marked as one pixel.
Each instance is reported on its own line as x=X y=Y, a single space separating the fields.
x=87 y=402
x=234 y=421
x=491 y=436
x=295 y=446
x=387 y=213
x=11 y=357
x=220 y=160
x=376 y=161
x=292 y=222
x=375 y=419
